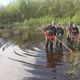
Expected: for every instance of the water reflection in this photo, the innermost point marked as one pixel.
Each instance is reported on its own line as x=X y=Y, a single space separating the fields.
x=53 y=59
x=21 y=36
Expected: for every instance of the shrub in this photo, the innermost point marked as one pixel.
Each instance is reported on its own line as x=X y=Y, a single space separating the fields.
x=76 y=19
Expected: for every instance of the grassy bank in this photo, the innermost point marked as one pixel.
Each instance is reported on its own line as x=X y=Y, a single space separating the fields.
x=33 y=23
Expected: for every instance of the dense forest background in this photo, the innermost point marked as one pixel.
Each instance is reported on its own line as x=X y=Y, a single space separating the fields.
x=40 y=12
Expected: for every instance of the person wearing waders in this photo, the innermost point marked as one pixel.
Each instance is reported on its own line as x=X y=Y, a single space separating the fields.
x=69 y=34
x=74 y=36
x=59 y=35
x=50 y=33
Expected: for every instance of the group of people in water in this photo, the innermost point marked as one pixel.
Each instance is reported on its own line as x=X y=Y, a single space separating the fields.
x=56 y=33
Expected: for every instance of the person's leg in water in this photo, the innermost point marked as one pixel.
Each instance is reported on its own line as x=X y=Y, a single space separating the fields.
x=60 y=45
x=57 y=46
x=47 y=43
x=57 y=43
x=51 y=45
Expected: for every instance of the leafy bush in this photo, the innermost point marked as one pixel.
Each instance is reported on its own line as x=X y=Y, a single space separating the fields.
x=76 y=19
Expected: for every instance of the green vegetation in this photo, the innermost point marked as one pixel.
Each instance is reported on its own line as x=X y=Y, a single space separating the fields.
x=73 y=59
x=40 y=12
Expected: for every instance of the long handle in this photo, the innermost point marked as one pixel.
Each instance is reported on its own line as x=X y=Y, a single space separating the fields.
x=64 y=45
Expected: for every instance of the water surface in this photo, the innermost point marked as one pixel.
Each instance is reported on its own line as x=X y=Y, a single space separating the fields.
x=23 y=57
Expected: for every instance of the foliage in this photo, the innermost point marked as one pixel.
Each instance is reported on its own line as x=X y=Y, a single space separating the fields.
x=35 y=12
x=38 y=21
x=76 y=19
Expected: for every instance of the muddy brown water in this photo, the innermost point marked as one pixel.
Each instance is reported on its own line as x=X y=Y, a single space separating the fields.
x=27 y=59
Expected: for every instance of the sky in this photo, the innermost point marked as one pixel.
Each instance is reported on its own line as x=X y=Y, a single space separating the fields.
x=5 y=2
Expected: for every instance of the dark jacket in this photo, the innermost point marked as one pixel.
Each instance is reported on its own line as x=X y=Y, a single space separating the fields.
x=51 y=30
